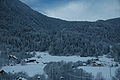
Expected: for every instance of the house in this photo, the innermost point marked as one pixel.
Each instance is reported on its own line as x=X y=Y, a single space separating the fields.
x=84 y=64
x=12 y=57
x=96 y=63
x=20 y=78
x=37 y=62
x=2 y=72
x=61 y=78
x=29 y=61
x=96 y=59
x=38 y=77
x=44 y=62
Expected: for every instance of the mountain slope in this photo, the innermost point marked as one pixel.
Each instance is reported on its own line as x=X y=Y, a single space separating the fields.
x=23 y=29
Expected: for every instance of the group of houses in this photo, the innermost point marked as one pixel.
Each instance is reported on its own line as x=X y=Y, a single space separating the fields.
x=3 y=72
x=98 y=63
x=14 y=58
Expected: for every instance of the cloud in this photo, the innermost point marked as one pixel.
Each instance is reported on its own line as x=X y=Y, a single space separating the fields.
x=86 y=11
x=77 y=10
x=70 y=11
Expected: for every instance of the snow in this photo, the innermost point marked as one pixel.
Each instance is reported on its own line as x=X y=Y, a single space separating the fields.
x=107 y=61
x=30 y=69
x=48 y=58
x=33 y=68
x=104 y=70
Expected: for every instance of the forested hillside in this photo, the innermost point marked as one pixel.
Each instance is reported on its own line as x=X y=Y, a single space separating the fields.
x=24 y=30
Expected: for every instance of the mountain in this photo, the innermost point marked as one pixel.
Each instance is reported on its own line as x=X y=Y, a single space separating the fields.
x=23 y=29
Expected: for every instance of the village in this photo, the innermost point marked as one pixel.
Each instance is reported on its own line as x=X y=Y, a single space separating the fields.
x=41 y=59
x=94 y=62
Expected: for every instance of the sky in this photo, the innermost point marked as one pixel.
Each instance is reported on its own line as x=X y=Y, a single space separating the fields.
x=77 y=10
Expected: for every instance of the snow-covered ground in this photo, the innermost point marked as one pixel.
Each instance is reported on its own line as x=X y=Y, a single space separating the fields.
x=33 y=68
x=30 y=69
x=48 y=58
x=104 y=70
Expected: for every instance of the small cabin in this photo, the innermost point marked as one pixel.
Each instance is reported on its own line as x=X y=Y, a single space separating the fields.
x=96 y=63
x=32 y=60
x=38 y=77
x=20 y=78
x=45 y=62
x=61 y=78
x=2 y=72
x=37 y=62
x=84 y=64
x=12 y=57
x=96 y=59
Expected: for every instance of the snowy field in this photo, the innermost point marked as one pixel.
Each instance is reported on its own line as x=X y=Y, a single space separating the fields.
x=104 y=70
x=33 y=68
